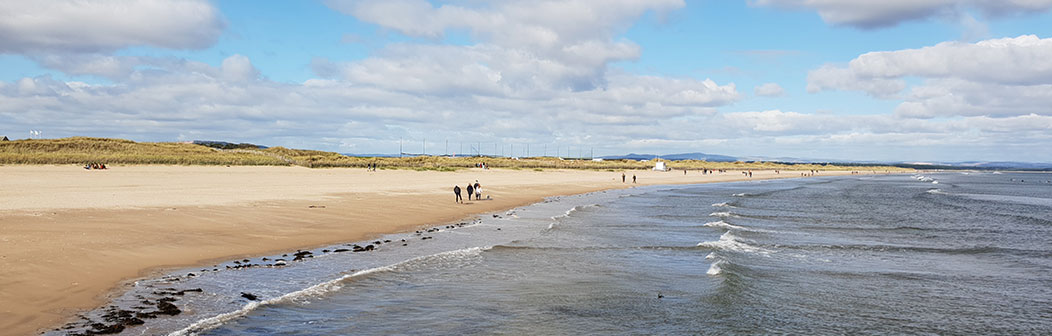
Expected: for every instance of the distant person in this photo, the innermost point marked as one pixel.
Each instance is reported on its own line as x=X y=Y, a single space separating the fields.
x=471 y=190
x=456 y=190
x=633 y=178
x=478 y=190
x=622 y=177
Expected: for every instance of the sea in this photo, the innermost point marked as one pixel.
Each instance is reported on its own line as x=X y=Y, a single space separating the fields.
x=946 y=253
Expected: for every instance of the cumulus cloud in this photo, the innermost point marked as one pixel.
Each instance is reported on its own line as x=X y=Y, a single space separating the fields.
x=189 y=100
x=875 y=14
x=534 y=72
x=238 y=68
x=31 y=27
x=175 y=99
x=769 y=90
x=571 y=42
x=1022 y=60
x=997 y=77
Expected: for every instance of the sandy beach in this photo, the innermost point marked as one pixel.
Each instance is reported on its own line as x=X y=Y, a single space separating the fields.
x=70 y=237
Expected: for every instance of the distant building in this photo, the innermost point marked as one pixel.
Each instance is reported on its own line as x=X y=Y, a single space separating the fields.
x=5 y=138
x=660 y=166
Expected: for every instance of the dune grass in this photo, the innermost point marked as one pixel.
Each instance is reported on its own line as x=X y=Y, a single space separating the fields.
x=82 y=150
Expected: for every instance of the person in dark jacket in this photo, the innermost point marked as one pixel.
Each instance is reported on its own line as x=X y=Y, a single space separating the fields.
x=471 y=191
x=456 y=190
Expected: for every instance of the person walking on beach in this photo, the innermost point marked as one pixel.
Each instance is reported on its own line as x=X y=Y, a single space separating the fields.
x=456 y=190
x=478 y=190
x=622 y=177
x=471 y=190
x=633 y=178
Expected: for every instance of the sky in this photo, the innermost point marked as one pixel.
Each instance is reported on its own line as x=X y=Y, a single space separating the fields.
x=894 y=80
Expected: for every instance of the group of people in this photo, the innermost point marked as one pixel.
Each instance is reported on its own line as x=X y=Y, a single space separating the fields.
x=371 y=167
x=481 y=165
x=94 y=165
x=472 y=189
x=747 y=173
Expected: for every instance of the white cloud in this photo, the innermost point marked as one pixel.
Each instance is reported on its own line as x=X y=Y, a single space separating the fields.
x=769 y=90
x=572 y=41
x=32 y=27
x=1022 y=60
x=874 y=14
x=196 y=101
x=535 y=72
x=172 y=99
x=997 y=77
x=955 y=97
x=238 y=68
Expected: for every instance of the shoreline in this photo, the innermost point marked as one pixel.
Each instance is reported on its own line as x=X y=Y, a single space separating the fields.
x=70 y=274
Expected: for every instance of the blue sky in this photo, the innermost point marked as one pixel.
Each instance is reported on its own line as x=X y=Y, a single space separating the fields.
x=927 y=80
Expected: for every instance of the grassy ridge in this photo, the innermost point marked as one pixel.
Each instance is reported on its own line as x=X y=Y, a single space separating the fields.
x=81 y=150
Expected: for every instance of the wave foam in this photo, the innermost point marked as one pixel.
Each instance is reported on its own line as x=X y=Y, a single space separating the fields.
x=923 y=178
x=723 y=214
x=715 y=268
x=729 y=242
x=724 y=225
x=722 y=205
x=319 y=289
x=572 y=210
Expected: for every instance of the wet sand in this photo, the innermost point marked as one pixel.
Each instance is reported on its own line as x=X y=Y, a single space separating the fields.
x=70 y=237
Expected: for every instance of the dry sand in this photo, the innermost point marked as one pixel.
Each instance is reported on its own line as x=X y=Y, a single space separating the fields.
x=70 y=237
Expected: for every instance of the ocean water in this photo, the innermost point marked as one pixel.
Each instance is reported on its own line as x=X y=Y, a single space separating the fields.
x=944 y=253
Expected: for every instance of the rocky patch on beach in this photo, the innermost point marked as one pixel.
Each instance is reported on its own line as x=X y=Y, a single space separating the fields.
x=161 y=302
x=114 y=319
x=249 y=296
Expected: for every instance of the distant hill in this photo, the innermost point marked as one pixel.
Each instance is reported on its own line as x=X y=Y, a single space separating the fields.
x=83 y=150
x=674 y=157
x=227 y=145
x=984 y=165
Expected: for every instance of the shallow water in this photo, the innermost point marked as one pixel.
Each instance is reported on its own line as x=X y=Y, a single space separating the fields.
x=845 y=255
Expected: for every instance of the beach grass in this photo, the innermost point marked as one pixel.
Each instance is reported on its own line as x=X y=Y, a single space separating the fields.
x=83 y=150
